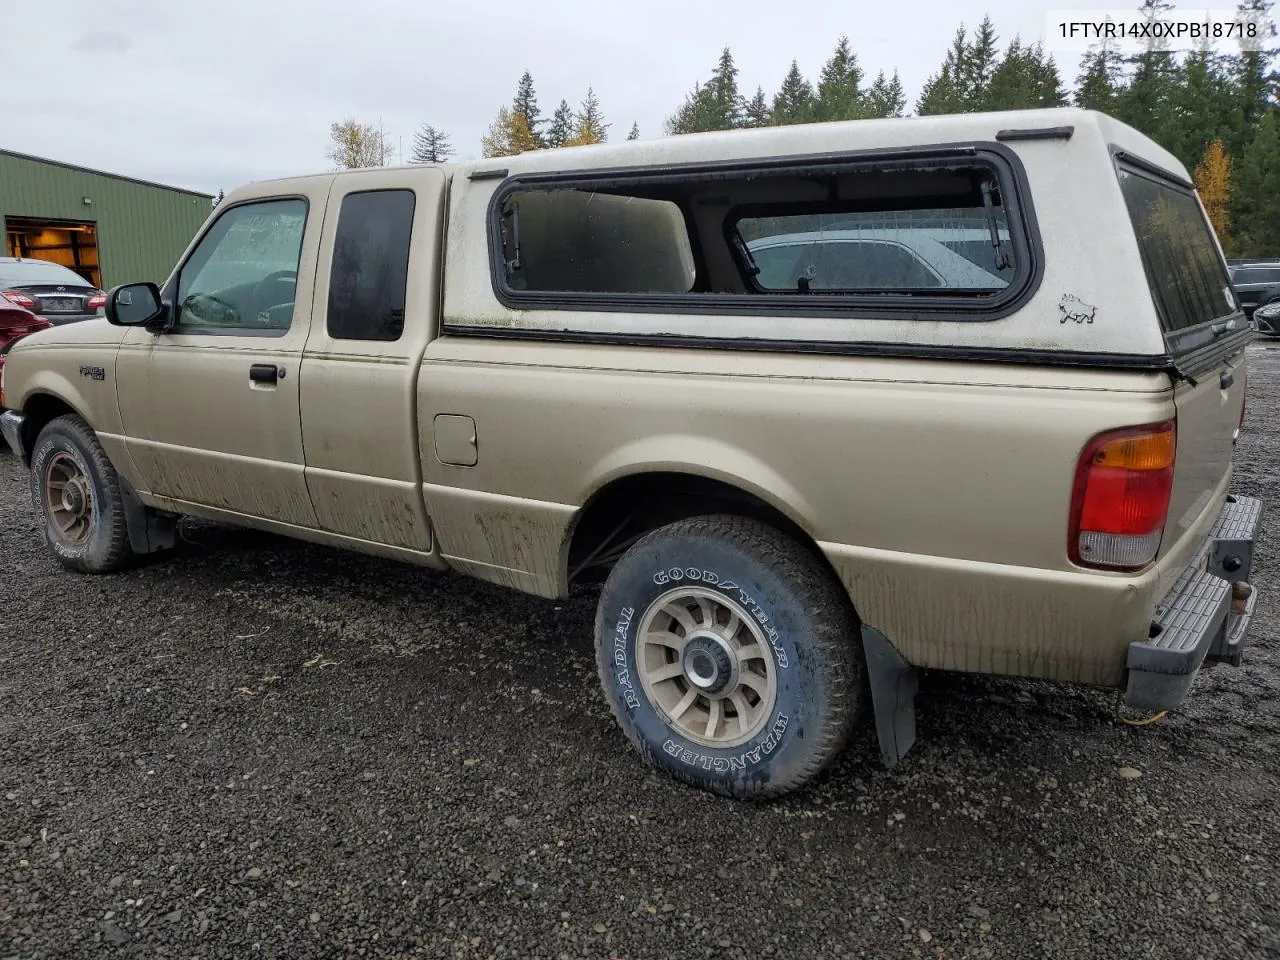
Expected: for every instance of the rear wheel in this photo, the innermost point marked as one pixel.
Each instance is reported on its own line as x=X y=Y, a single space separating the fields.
x=727 y=653
x=77 y=494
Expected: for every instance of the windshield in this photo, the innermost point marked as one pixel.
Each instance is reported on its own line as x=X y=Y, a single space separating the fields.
x=1186 y=273
x=38 y=271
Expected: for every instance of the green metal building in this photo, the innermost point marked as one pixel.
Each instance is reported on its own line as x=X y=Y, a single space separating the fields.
x=108 y=228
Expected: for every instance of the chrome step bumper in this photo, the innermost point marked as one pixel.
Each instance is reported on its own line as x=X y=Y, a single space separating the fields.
x=1205 y=616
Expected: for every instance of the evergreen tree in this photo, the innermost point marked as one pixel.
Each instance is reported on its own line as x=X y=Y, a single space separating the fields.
x=1257 y=185
x=1253 y=70
x=724 y=101
x=714 y=105
x=1145 y=103
x=1213 y=183
x=793 y=102
x=839 y=96
x=1201 y=108
x=885 y=97
x=1025 y=79
x=635 y=132
x=978 y=66
x=561 y=127
x=430 y=145
x=944 y=92
x=757 y=112
x=1099 y=83
x=525 y=104
x=589 y=126
x=508 y=135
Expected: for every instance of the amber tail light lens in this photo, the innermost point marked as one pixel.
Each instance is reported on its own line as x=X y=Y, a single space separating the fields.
x=1120 y=499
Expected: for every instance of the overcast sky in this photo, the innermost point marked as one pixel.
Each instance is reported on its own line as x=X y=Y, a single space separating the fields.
x=212 y=95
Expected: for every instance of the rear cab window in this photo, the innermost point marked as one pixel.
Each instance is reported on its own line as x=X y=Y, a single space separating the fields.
x=1185 y=271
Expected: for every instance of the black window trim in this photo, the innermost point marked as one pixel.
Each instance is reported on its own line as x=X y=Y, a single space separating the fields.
x=337 y=227
x=1196 y=348
x=170 y=293
x=1015 y=195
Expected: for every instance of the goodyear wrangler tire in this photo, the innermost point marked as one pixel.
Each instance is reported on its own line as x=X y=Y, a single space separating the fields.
x=727 y=653
x=77 y=496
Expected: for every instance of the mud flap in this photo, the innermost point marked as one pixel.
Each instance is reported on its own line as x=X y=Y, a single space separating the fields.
x=149 y=531
x=894 y=683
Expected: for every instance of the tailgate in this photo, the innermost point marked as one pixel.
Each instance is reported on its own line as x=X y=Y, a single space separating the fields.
x=1205 y=332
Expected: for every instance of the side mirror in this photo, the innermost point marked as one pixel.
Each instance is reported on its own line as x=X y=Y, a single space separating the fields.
x=134 y=305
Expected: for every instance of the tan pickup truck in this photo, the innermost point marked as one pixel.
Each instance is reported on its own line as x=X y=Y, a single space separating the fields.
x=826 y=404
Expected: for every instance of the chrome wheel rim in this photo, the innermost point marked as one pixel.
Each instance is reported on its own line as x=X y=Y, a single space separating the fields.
x=68 y=497
x=705 y=666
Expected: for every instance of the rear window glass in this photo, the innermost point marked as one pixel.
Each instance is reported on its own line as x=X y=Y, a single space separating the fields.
x=1256 y=275
x=931 y=249
x=38 y=271
x=370 y=274
x=1185 y=271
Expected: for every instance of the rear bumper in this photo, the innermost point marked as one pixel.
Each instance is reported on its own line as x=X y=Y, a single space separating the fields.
x=1204 y=617
x=11 y=428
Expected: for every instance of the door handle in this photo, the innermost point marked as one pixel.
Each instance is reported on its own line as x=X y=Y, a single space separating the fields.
x=265 y=373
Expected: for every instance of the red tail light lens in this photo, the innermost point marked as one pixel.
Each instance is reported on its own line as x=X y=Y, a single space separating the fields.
x=21 y=299
x=1120 y=500
x=96 y=301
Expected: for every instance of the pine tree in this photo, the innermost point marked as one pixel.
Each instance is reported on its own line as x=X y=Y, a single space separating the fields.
x=1252 y=71
x=635 y=132
x=979 y=64
x=508 y=135
x=793 y=102
x=589 y=126
x=525 y=104
x=1253 y=196
x=944 y=92
x=839 y=96
x=757 y=112
x=561 y=127
x=1099 y=83
x=1202 y=108
x=885 y=98
x=430 y=145
x=1213 y=182
x=689 y=118
x=1145 y=102
x=1025 y=79
x=724 y=102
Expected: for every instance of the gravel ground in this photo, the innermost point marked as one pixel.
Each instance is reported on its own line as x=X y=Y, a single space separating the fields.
x=259 y=748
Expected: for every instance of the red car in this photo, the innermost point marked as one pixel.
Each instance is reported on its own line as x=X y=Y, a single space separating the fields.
x=15 y=323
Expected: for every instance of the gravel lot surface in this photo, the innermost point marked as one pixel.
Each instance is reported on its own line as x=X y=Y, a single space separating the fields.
x=259 y=748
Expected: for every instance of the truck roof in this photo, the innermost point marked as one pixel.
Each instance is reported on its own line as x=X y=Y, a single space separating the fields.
x=817 y=138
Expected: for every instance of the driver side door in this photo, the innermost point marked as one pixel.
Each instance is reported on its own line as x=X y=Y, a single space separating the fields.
x=210 y=406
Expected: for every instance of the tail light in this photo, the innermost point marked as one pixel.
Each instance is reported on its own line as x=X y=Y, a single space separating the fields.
x=21 y=299
x=97 y=301
x=1120 y=500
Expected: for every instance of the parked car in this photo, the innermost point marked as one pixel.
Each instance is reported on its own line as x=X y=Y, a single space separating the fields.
x=547 y=368
x=1267 y=319
x=16 y=323
x=49 y=290
x=1256 y=283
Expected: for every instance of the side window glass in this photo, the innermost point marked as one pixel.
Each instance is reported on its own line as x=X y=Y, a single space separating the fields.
x=370 y=270
x=243 y=273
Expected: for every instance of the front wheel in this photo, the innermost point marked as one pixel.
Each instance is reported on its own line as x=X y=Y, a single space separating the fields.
x=77 y=495
x=727 y=653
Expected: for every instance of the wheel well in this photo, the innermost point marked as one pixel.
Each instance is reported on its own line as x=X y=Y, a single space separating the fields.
x=628 y=508
x=38 y=411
